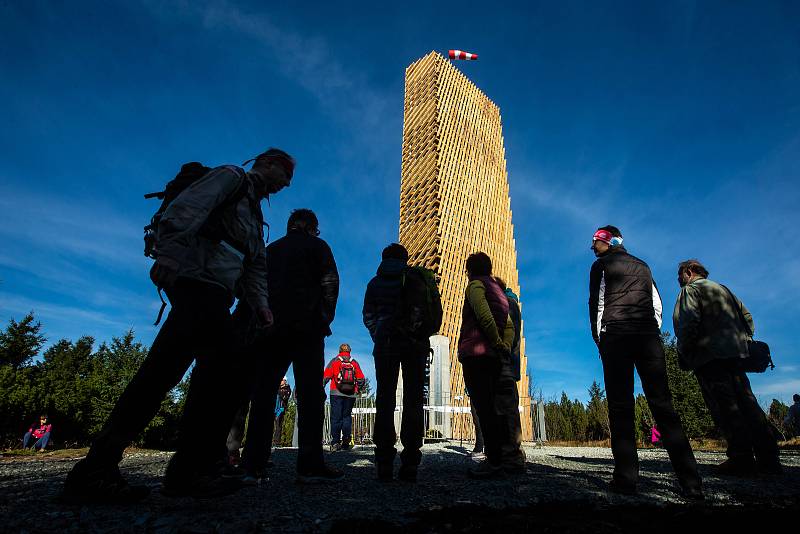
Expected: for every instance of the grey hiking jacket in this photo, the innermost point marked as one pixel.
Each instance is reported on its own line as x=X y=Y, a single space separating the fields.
x=237 y=262
x=707 y=324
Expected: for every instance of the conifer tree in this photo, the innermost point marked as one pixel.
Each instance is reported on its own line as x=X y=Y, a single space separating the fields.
x=686 y=395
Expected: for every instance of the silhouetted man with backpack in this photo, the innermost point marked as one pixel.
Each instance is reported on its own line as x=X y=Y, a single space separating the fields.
x=347 y=379
x=402 y=309
x=207 y=239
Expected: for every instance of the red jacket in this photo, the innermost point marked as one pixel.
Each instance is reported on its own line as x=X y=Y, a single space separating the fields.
x=332 y=371
x=41 y=431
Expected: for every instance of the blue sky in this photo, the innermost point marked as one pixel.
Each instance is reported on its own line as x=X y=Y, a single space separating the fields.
x=679 y=122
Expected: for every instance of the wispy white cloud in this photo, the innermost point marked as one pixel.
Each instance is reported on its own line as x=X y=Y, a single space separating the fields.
x=78 y=229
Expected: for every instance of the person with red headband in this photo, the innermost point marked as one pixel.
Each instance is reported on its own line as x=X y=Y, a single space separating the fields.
x=625 y=318
x=209 y=248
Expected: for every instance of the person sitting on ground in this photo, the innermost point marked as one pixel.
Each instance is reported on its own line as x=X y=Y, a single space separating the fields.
x=41 y=434
x=345 y=376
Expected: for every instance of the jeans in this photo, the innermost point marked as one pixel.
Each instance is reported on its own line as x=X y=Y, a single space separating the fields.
x=341 y=419
x=620 y=355
x=198 y=328
x=736 y=412
x=305 y=352
x=412 y=427
x=41 y=443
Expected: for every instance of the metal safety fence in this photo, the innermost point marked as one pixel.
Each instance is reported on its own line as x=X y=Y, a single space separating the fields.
x=450 y=420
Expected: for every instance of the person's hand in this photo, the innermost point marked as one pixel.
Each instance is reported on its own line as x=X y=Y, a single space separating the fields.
x=164 y=272
x=265 y=317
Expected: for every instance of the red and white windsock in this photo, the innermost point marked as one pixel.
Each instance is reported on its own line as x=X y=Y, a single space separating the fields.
x=460 y=54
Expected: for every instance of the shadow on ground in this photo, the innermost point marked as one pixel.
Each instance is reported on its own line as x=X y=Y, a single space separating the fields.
x=564 y=490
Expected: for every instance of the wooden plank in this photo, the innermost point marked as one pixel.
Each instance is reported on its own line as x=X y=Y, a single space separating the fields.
x=454 y=198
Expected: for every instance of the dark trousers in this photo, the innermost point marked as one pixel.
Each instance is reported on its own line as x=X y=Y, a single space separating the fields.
x=494 y=396
x=736 y=412
x=236 y=434
x=341 y=419
x=305 y=352
x=412 y=427
x=198 y=328
x=620 y=354
x=278 y=433
x=476 y=423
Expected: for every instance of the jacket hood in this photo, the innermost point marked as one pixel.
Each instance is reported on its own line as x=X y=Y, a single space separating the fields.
x=510 y=294
x=392 y=267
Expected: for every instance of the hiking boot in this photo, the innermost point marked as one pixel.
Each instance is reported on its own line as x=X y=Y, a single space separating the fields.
x=336 y=447
x=385 y=471
x=234 y=458
x=202 y=486
x=345 y=446
x=89 y=485
x=736 y=467
x=407 y=473
x=485 y=470
x=322 y=474
x=622 y=488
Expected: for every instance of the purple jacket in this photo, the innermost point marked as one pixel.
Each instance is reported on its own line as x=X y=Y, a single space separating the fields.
x=473 y=341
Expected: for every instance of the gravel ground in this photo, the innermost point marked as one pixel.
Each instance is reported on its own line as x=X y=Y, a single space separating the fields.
x=564 y=490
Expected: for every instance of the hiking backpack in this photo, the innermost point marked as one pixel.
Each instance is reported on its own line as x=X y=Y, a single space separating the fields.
x=189 y=174
x=419 y=322
x=346 y=378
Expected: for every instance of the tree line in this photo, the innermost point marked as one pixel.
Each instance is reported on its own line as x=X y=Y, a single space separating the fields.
x=572 y=420
x=77 y=385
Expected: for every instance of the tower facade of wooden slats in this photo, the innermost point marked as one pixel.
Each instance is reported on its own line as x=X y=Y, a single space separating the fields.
x=454 y=200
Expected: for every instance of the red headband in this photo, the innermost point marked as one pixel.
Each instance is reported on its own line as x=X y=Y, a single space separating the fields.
x=603 y=235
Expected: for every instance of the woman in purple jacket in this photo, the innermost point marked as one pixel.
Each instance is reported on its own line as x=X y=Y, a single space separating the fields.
x=484 y=350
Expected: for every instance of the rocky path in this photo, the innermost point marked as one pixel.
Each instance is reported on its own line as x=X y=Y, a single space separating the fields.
x=563 y=490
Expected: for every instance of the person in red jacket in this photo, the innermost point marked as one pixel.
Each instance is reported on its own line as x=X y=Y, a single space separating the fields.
x=41 y=434
x=346 y=379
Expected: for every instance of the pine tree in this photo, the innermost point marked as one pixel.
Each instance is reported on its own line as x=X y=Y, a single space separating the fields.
x=643 y=418
x=598 y=426
x=777 y=413
x=20 y=342
x=686 y=395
